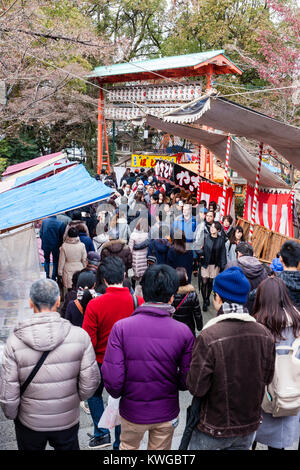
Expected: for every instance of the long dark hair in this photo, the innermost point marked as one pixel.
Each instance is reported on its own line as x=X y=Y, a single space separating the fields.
x=274 y=309
x=86 y=281
x=232 y=238
x=179 y=243
x=182 y=275
x=100 y=286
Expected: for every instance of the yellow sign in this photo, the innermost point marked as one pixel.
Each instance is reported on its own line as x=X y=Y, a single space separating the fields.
x=149 y=161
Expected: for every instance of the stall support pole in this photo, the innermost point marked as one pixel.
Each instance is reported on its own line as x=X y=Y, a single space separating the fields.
x=199 y=175
x=255 y=192
x=225 y=181
x=113 y=142
x=292 y=204
x=100 y=132
x=102 y=160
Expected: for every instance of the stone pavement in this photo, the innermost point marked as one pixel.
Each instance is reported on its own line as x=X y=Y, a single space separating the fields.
x=7 y=434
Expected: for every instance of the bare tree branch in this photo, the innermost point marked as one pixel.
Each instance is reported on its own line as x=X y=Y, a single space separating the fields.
x=56 y=37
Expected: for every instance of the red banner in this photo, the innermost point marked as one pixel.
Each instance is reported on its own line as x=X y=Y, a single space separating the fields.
x=213 y=192
x=273 y=211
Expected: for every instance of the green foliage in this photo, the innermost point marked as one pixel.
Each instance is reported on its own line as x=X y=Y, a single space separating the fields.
x=18 y=149
x=239 y=206
x=3 y=165
x=137 y=25
x=59 y=11
x=215 y=24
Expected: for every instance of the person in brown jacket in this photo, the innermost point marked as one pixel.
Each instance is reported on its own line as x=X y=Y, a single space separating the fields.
x=233 y=360
x=48 y=410
x=117 y=247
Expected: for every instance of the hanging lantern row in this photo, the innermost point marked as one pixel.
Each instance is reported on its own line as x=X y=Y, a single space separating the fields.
x=155 y=94
x=124 y=114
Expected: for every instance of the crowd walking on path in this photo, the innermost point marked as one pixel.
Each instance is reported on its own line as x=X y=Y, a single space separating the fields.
x=118 y=311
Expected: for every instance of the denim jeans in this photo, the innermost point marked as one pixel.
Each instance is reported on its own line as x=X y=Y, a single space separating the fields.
x=202 y=441
x=55 y=257
x=96 y=408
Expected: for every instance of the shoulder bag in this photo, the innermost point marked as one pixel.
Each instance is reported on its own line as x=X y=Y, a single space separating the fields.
x=33 y=372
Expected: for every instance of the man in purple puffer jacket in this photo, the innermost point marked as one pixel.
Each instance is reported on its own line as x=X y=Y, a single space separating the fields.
x=146 y=363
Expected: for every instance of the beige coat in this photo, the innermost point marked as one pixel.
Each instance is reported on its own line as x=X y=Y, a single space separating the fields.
x=70 y=373
x=72 y=258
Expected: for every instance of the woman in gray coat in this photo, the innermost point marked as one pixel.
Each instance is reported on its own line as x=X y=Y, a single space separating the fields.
x=48 y=410
x=274 y=309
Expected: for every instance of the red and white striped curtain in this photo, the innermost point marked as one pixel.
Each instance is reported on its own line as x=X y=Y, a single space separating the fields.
x=273 y=211
x=213 y=192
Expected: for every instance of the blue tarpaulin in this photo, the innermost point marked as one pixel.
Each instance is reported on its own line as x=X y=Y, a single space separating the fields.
x=271 y=167
x=40 y=173
x=58 y=193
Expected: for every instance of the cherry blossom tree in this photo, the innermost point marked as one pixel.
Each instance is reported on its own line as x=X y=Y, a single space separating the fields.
x=280 y=50
x=46 y=51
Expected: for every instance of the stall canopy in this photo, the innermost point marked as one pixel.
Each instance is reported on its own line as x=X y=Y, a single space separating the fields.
x=232 y=118
x=61 y=192
x=240 y=160
x=36 y=175
x=50 y=158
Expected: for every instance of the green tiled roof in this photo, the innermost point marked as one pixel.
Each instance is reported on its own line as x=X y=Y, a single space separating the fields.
x=164 y=63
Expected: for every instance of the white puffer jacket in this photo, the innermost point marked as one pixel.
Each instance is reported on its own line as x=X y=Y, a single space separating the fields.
x=70 y=373
x=139 y=257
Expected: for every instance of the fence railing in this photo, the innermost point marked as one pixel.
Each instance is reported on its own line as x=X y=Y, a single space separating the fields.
x=266 y=243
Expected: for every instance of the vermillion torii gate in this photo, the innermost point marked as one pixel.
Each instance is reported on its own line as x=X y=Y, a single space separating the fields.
x=191 y=65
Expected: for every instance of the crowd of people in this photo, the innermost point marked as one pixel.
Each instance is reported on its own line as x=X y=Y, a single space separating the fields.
x=143 y=221
x=119 y=310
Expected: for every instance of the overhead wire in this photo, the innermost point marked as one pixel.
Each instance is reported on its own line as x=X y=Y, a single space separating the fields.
x=67 y=72
x=261 y=91
x=156 y=74
x=144 y=107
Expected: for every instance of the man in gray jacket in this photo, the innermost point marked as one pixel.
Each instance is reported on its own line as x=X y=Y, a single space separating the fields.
x=48 y=410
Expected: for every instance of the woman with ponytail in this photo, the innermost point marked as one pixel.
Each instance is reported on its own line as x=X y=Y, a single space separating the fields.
x=85 y=292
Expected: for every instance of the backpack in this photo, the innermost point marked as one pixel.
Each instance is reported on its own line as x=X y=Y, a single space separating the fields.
x=282 y=395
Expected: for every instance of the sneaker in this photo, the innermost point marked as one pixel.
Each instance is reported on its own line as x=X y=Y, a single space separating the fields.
x=204 y=309
x=85 y=407
x=99 y=442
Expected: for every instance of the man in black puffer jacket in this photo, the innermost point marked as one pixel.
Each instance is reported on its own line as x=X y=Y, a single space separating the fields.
x=186 y=303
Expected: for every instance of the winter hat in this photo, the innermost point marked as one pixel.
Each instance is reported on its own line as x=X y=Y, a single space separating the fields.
x=93 y=258
x=276 y=265
x=152 y=259
x=86 y=279
x=232 y=285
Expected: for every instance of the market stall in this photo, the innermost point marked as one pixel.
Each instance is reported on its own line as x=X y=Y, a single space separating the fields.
x=265 y=189
x=20 y=207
